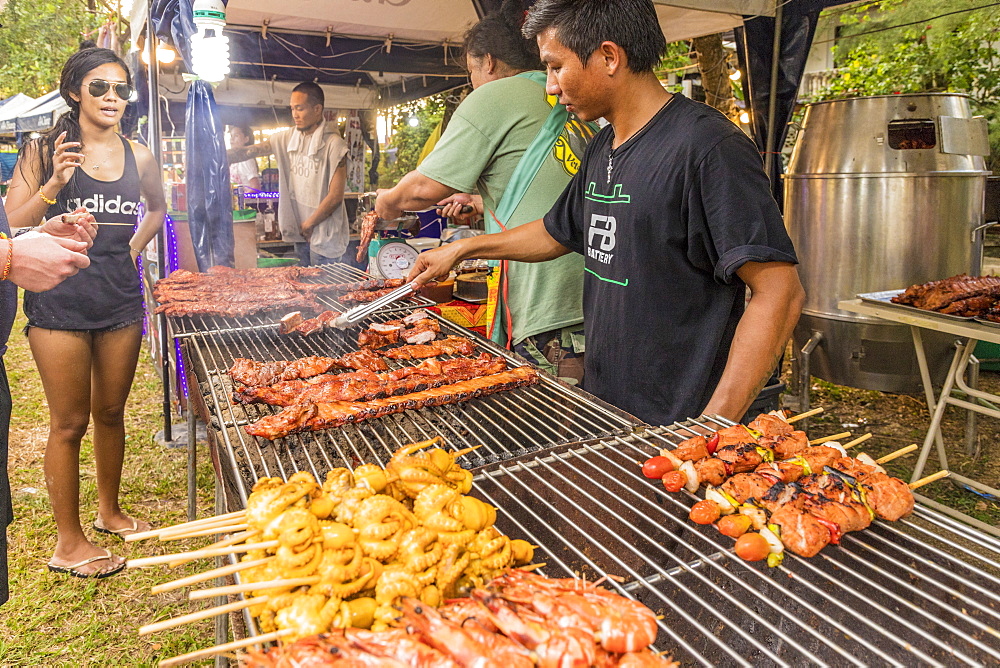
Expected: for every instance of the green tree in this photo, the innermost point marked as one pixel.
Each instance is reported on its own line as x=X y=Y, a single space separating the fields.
x=36 y=39
x=896 y=46
x=408 y=140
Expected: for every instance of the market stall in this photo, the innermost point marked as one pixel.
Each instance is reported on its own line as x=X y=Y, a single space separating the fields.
x=561 y=469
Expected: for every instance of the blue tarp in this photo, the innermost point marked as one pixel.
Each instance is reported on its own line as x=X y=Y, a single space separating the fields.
x=207 y=171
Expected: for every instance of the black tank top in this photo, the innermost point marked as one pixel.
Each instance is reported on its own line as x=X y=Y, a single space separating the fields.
x=107 y=293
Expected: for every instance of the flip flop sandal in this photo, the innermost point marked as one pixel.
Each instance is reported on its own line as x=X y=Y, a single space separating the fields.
x=72 y=569
x=120 y=533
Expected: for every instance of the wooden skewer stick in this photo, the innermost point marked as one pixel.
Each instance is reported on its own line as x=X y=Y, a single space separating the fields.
x=200 y=615
x=221 y=649
x=200 y=554
x=899 y=453
x=532 y=567
x=229 y=528
x=859 y=439
x=834 y=437
x=220 y=572
x=929 y=479
x=246 y=587
x=186 y=525
x=226 y=542
x=803 y=416
x=219 y=525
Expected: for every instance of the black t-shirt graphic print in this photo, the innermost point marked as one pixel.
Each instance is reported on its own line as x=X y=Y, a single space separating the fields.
x=664 y=221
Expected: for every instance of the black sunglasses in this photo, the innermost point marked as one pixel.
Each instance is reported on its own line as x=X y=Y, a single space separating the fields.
x=99 y=87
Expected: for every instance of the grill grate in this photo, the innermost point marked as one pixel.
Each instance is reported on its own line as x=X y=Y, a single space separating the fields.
x=922 y=591
x=505 y=424
x=332 y=273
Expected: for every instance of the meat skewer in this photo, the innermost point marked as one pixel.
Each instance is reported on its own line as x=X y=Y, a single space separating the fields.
x=365 y=386
x=367 y=234
x=315 y=417
x=416 y=328
x=252 y=373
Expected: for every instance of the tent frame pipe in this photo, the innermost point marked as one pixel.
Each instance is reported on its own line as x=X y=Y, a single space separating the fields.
x=772 y=101
x=155 y=146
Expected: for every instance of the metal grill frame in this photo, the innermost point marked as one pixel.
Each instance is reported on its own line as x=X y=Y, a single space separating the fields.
x=921 y=591
x=536 y=417
x=181 y=327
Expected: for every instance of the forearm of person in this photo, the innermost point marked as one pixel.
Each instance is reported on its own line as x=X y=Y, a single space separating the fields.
x=149 y=227
x=326 y=207
x=234 y=155
x=757 y=347
x=416 y=192
x=530 y=242
x=24 y=206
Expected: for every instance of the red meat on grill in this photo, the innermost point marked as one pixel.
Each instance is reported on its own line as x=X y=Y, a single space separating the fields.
x=315 y=417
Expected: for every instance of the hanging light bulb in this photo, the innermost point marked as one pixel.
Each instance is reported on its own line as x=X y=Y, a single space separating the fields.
x=744 y=118
x=209 y=47
x=165 y=54
x=735 y=75
x=414 y=121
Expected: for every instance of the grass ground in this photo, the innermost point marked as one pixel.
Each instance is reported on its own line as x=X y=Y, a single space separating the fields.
x=57 y=620
x=61 y=621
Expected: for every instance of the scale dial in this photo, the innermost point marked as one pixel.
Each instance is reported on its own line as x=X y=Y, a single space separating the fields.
x=395 y=259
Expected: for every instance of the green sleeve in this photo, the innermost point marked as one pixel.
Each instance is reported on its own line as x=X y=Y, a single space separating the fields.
x=467 y=146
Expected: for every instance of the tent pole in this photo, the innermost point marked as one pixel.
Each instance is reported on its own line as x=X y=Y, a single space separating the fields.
x=155 y=145
x=772 y=102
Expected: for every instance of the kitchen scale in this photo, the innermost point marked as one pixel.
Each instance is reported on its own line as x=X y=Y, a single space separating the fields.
x=391 y=258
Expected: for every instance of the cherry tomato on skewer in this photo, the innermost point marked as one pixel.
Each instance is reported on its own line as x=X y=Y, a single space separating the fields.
x=704 y=512
x=752 y=547
x=655 y=467
x=734 y=526
x=674 y=481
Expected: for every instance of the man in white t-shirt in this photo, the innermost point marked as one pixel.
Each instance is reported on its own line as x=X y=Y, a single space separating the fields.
x=311 y=175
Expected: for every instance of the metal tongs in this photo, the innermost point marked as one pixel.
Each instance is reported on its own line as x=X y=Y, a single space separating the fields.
x=361 y=312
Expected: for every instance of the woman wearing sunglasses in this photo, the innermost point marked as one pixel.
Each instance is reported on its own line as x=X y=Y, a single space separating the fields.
x=85 y=334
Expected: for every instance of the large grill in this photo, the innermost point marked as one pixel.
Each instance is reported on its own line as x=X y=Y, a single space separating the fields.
x=922 y=591
x=561 y=467
x=505 y=424
x=332 y=273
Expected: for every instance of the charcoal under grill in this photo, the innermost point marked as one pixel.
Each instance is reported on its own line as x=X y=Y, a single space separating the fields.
x=921 y=591
x=505 y=424
x=181 y=327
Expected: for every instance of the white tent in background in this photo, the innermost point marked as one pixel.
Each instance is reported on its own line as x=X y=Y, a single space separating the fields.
x=11 y=109
x=44 y=115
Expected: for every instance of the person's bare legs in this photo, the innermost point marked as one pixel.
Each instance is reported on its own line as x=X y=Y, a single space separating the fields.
x=64 y=361
x=114 y=357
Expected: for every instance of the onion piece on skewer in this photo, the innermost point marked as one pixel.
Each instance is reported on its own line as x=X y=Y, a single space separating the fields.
x=726 y=506
x=692 y=476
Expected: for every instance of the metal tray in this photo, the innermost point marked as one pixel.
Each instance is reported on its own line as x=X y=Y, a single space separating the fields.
x=988 y=323
x=882 y=299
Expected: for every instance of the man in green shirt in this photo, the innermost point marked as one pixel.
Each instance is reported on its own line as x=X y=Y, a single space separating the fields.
x=485 y=141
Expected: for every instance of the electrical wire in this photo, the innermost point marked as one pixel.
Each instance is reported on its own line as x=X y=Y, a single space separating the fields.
x=906 y=25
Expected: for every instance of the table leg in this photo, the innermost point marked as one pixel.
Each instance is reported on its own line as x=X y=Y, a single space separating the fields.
x=925 y=378
x=935 y=427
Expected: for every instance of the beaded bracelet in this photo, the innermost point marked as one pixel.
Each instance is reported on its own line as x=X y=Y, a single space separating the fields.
x=10 y=256
x=45 y=199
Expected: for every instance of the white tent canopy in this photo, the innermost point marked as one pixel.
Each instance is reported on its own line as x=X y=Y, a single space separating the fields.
x=11 y=109
x=44 y=115
x=440 y=21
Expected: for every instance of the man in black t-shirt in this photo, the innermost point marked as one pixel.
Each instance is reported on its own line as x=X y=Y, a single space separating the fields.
x=673 y=213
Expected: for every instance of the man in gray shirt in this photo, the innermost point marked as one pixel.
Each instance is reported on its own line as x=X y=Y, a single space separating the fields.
x=311 y=174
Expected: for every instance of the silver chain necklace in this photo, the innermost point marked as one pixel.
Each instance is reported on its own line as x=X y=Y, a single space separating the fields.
x=611 y=151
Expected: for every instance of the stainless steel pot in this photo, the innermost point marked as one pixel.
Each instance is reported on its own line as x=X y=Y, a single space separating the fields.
x=881 y=193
